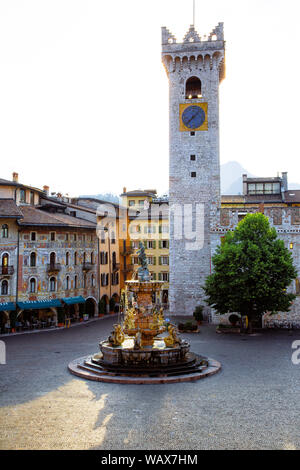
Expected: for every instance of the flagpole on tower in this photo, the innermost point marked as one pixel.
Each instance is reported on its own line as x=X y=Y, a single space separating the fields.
x=194 y=13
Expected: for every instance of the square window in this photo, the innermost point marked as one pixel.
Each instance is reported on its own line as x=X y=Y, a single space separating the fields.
x=193 y=157
x=192 y=133
x=193 y=174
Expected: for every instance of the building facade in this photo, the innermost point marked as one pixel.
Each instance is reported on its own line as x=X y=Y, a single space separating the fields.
x=269 y=195
x=50 y=258
x=148 y=221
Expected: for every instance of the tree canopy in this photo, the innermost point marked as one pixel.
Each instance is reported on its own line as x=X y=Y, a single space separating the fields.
x=252 y=271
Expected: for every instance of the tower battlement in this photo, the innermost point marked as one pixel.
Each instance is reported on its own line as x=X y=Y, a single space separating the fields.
x=208 y=51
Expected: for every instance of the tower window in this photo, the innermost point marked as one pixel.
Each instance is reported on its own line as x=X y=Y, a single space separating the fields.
x=193 y=157
x=193 y=174
x=192 y=133
x=193 y=88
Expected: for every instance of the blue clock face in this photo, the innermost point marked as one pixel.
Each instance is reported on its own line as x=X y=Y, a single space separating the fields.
x=193 y=117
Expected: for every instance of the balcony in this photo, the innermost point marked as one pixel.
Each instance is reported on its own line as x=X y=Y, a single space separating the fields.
x=53 y=267
x=115 y=267
x=127 y=251
x=87 y=266
x=128 y=268
x=7 y=270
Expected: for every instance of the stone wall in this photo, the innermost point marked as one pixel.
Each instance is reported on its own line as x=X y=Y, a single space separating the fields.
x=189 y=267
x=287 y=225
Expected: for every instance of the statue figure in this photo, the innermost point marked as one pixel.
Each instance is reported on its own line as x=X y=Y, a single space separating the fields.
x=161 y=317
x=129 y=322
x=173 y=338
x=154 y=325
x=117 y=336
x=143 y=271
x=137 y=341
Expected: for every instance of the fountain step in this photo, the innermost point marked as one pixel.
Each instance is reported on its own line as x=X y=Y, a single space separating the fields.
x=191 y=360
x=146 y=371
x=78 y=368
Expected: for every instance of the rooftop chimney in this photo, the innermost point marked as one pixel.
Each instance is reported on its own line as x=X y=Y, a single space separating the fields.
x=245 y=189
x=124 y=189
x=15 y=177
x=284 y=180
x=46 y=190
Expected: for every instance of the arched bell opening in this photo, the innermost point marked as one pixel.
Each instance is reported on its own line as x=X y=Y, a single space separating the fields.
x=193 y=88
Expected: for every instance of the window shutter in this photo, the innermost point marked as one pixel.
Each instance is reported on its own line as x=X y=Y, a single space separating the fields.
x=160 y=229
x=160 y=244
x=154 y=259
x=154 y=276
x=154 y=244
x=145 y=244
x=159 y=276
x=159 y=260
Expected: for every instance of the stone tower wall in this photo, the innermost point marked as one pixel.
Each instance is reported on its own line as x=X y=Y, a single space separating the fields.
x=190 y=262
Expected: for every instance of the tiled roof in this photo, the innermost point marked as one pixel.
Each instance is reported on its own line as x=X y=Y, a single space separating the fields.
x=4 y=182
x=9 y=209
x=140 y=192
x=234 y=198
x=8 y=183
x=34 y=216
x=292 y=196
x=271 y=179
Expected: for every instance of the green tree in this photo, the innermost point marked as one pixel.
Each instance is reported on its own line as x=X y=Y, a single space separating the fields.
x=252 y=270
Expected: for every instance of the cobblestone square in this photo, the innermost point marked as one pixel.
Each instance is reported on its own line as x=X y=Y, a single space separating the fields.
x=253 y=403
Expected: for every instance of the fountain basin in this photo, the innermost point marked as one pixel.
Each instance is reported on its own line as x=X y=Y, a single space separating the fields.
x=156 y=354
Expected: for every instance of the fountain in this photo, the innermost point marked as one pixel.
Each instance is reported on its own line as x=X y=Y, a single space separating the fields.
x=143 y=347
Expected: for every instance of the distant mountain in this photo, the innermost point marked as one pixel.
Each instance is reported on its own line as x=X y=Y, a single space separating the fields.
x=231 y=182
x=232 y=178
x=109 y=197
x=294 y=186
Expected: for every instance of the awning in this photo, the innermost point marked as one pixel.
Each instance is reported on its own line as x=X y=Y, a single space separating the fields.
x=7 y=306
x=33 y=304
x=73 y=300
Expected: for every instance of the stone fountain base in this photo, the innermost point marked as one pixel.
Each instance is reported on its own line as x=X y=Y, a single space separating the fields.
x=156 y=364
x=88 y=368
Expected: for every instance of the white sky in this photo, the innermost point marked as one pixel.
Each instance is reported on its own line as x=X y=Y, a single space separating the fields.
x=84 y=96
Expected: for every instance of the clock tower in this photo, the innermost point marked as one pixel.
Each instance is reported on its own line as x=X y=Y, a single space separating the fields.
x=194 y=68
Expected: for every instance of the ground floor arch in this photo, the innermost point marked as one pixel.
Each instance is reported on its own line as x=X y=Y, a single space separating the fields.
x=4 y=318
x=115 y=303
x=36 y=318
x=91 y=306
x=104 y=304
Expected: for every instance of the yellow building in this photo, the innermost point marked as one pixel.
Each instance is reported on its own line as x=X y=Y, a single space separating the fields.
x=148 y=221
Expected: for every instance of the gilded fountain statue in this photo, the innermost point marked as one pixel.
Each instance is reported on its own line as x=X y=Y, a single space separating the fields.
x=143 y=347
x=138 y=340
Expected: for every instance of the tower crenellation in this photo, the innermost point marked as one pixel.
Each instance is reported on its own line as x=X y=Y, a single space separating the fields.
x=207 y=52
